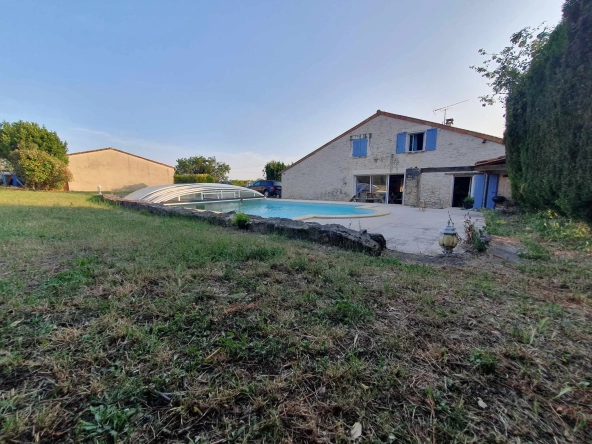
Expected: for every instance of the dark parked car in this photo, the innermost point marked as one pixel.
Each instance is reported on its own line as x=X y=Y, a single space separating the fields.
x=268 y=187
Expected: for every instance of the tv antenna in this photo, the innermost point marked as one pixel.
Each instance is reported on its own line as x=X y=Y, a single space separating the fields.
x=446 y=108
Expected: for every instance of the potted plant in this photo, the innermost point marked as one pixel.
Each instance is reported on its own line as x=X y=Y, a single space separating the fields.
x=468 y=202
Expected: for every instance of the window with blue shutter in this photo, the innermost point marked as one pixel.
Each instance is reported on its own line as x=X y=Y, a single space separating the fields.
x=360 y=147
x=401 y=141
x=431 y=136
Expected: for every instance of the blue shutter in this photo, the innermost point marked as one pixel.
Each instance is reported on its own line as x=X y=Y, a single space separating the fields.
x=363 y=147
x=431 y=136
x=491 y=190
x=401 y=140
x=360 y=148
x=478 y=190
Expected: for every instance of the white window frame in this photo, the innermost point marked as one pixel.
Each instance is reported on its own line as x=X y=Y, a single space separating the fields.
x=408 y=142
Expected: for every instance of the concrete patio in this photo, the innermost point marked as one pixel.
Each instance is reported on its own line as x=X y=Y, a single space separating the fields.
x=408 y=229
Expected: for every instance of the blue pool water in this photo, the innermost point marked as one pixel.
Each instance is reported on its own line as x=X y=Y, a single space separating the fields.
x=287 y=209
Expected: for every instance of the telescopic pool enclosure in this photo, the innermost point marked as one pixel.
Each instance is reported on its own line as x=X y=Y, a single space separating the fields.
x=180 y=194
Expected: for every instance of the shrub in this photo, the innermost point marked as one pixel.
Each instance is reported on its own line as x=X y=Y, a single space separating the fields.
x=473 y=235
x=194 y=178
x=241 y=220
x=40 y=170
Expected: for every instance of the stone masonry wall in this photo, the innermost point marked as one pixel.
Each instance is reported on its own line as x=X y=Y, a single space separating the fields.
x=330 y=173
x=436 y=189
x=412 y=186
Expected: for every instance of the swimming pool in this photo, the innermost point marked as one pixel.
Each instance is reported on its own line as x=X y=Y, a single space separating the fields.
x=290 y=209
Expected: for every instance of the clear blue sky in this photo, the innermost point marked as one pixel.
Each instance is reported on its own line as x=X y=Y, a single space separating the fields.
x=246 y=81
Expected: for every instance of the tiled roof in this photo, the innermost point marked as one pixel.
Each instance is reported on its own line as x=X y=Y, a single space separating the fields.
x=495 y=161
x=408 y=119
x=123 y=152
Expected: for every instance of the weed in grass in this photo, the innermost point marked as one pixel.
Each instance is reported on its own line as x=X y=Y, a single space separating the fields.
x=109 y=422
x=534 y=251
x=528 y=336
x=235 y=345
x=345 y=310
x=263 y=253
x=66 y=283
x=299 y=263
x=484 y=361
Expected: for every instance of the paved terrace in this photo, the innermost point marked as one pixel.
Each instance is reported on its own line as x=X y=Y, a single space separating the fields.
x=409 y=229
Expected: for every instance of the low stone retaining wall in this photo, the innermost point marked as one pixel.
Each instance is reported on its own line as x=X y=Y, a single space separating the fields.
x=334 y=234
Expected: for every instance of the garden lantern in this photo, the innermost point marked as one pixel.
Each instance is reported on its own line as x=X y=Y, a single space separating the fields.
x=448 y=238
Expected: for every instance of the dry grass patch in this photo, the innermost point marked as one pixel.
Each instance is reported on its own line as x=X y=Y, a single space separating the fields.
x=127 y=327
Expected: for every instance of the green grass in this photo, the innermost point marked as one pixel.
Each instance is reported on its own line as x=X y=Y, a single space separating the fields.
x=120 y=326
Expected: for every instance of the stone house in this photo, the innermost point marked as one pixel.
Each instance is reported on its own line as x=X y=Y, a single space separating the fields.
x=395 y=159
x=116 y=171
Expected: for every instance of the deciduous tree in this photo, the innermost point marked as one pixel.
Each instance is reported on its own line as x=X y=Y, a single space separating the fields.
x=26 y=134
x=273 y=170
x=203 y=165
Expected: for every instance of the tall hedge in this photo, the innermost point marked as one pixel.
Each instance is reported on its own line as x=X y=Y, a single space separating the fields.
x=549 y=121
x=194 y=178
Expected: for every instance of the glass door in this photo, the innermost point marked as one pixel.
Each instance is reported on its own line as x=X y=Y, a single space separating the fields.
x=372 y=189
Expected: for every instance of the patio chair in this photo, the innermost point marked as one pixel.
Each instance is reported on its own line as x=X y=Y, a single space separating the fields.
x=373 y=198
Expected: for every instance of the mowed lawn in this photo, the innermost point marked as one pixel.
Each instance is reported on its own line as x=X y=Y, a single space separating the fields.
x=119 y=326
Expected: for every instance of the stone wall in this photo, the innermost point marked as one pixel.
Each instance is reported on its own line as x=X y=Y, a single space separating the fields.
x=412 y=178
x=329 y=174
x=334 y=234
x=436 y=189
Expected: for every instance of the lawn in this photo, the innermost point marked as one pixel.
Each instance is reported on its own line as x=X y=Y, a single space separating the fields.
x=121 y=326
